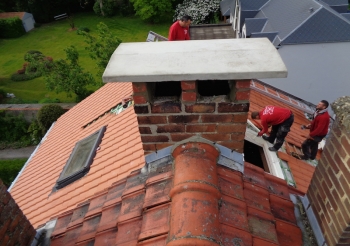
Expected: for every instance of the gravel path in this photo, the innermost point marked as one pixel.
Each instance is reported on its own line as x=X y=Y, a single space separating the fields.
x=17 y=153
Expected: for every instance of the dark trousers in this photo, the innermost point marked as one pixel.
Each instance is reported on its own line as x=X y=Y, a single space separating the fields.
x=310 y=147
x=280 y=131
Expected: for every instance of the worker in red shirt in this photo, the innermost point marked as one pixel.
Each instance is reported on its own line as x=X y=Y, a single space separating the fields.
x=281 y=120
x=318 y=130
x=180 y=29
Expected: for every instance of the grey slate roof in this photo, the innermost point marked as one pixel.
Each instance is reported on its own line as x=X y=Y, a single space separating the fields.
x=346 y=15
x=254 y=25
x=252 y=4
x=285 y=15
x=270 y=35
x=322 y=27
x=225 y=7
x=300 y=21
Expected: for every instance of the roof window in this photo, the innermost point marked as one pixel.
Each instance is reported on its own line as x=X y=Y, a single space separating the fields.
x=81 y=158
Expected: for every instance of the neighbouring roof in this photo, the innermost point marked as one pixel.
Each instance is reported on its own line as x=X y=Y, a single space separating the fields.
x=212 y=31
x=255 y=209
x=12 y=14
x=303 y=21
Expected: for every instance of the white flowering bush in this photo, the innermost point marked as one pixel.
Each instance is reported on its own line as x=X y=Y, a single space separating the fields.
x=199 y=10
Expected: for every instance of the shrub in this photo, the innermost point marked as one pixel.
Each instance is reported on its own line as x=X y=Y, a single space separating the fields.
x=9 y=170
x=47 y=115
x=25 y=76
x=12 y=128
x=2 y=95
x=33 y=53
x=200 y=11
x=35 y=131
x=11 y=28
x=82 y=29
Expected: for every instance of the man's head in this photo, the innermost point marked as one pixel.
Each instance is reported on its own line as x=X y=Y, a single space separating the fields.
x=323 y=104
x=185 y=21
x=255 y=115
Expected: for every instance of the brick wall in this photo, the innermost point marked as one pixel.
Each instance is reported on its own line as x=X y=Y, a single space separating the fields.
x=329 y=191
x=15 y=229
x=165 y=121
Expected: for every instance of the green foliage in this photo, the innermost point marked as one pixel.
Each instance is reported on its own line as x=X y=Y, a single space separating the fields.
x=25 y=76
x=9 y=170
x=67 y=75
x=35 y=54
x=153 y=10
x=105 y=8
x=47 y=115
x=2 y=95
x=35 y=131
x=11 y=28
x=101 y=47
x=82 y=29
x=12 y=128
x=49 y=100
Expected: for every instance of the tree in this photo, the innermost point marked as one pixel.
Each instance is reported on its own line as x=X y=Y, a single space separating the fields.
x=153 y=10
x=47 y=115
x=101 y=47
x=68 y=76
x=199 y=10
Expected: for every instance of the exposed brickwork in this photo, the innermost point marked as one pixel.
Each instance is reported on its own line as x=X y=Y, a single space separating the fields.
x=15 y=229
x=329 y=191
x=170 y=120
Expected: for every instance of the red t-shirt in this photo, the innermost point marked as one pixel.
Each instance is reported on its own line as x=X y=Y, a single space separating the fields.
x=319 y=126
x=177 y=32
x=272 y=115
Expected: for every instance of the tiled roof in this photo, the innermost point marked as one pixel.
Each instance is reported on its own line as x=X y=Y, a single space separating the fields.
x=302 y=171
x=120 y=152
x=255 y=209
x=12 y=14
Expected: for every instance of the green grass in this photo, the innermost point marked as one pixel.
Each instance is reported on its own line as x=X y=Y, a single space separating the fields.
x=51 y=39
x=9 y=169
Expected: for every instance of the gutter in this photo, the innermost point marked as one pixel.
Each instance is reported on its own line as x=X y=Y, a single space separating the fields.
x=30 y=158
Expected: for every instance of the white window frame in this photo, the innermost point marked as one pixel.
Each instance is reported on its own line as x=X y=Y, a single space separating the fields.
x=272 y=159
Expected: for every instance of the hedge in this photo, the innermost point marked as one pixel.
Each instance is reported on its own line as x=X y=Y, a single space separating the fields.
x=11 y=28
x=9 y=170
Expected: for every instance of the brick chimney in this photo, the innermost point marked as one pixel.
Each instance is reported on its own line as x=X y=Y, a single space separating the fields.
x=15 y=229
x=329 y=191
x=183 y=89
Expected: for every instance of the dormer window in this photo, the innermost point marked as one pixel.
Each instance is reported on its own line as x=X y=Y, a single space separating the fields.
x=81 y=158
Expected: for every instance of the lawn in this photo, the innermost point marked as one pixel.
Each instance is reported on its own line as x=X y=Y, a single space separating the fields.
x=52 y=38
x=9 y=170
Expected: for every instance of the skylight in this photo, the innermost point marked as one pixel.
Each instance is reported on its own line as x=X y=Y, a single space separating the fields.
x=81 y=158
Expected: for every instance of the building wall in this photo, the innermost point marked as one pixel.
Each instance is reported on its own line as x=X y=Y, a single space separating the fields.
x=15 y=229
x=329 y=191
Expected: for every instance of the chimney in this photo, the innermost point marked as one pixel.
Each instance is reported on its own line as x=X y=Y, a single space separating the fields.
x=193 y=88
x=329 y=191
x=15 y=229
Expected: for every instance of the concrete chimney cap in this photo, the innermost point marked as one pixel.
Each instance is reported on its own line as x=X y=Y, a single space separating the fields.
x=217 y=59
